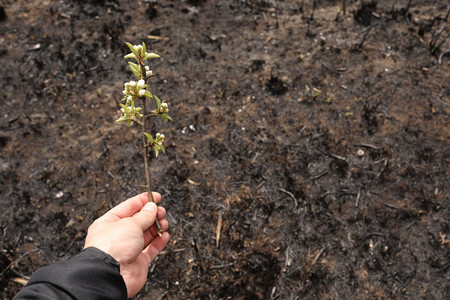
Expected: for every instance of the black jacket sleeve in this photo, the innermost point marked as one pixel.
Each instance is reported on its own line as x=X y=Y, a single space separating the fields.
x=91 y=274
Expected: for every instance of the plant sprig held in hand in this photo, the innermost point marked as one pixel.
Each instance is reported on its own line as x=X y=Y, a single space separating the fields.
x=137 y=90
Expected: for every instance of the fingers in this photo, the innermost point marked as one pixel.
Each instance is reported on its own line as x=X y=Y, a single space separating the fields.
x=161 y=212
x=147 y=216
x=151 y=233
x=131 y=206
x=156 y=246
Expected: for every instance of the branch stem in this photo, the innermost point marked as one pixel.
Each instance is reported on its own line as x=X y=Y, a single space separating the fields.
x=146 y=153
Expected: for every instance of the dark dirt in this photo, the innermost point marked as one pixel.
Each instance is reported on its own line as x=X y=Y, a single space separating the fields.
x=337 y=194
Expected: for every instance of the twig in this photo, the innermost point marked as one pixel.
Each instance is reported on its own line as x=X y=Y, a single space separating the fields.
x=174 y=251
x=289 y=257
x=333 y=69
x=202 y=265
x=16 y=261
x=364 y=37
x=443 y=239
x=317 y=256
x=407 y=7
x=319 y=176
x=146 y=146
x=218 y=229
x=331 y=154
x=383 y=168
x=374 y=234
x=12 y=120
x=357 y=198
x=391 y=206
x=221 y=266
x=290 y=194
x=68 y=248
x=312 y=13
x=442 y=55
x=368 y=146
x=157 y=37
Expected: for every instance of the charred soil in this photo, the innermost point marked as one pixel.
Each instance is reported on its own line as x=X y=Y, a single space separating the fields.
x=308 y=157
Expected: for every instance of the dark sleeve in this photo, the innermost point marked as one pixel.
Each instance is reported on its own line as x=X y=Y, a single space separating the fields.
x=91 y=274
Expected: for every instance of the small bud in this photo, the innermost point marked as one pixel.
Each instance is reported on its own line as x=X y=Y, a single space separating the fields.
x=130 y=98
x=142 y=92
x=141 y=83
x=132 y=83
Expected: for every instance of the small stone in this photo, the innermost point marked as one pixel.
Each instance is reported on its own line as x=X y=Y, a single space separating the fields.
x=360 y=152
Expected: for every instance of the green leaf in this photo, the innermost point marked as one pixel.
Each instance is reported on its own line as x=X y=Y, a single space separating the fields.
x=130 y=55
x=162 y=149
x=156 y=152
x=144 y=49
x=135 y=66
x=149 y=136
x=148 y=94
x=151 y=55
x=166 y=117
x=122 y=119
x=135 y=52
x=158 y=102
x=136 y=69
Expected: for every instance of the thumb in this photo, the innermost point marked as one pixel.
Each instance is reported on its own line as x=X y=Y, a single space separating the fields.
x=147 y=216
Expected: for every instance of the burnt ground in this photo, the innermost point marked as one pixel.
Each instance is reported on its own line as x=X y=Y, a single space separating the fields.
x=337 y=194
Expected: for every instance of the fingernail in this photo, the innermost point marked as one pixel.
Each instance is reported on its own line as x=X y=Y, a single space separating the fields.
x=150 y=206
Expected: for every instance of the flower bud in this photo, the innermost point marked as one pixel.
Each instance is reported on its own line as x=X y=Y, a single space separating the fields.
x=141 y=83
x=142 y=92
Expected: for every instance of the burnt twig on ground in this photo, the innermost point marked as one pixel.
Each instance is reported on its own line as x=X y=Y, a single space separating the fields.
x=290 y=194
x=442 y=55
x=367 y=30
x=218 y=229
x=2 y=273
x=368 y=146
x=332 y=155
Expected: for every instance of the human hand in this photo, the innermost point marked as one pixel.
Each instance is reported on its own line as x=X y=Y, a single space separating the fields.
x=126 y=233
